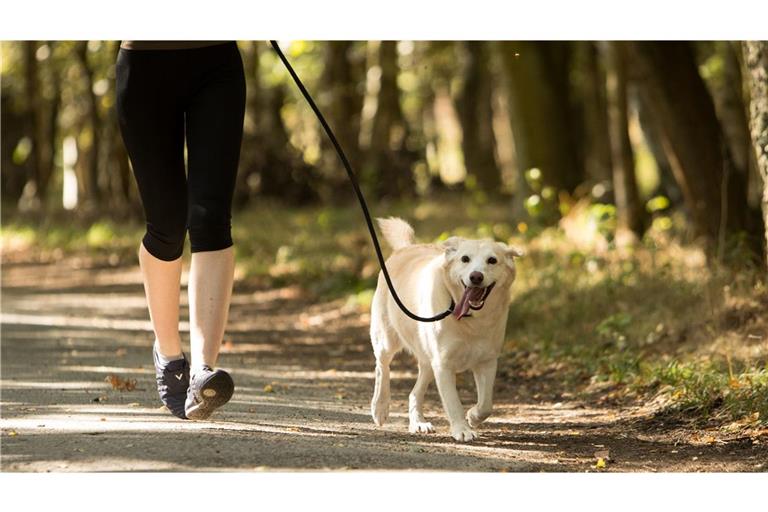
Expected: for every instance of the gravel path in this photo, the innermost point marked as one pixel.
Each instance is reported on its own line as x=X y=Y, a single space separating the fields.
x=303 y=374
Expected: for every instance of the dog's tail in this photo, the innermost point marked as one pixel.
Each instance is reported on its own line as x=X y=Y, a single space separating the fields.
x=397 y=232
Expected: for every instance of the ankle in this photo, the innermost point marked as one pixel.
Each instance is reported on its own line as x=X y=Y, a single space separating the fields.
x=166 y=356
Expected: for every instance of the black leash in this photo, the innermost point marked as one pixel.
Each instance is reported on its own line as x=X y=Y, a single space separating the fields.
x=359 y=194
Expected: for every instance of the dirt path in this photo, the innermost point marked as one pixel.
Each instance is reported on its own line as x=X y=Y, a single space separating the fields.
x=303 y=376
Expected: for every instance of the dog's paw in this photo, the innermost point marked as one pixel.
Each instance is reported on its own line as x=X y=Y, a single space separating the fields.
x=420 y=427
x=463 y=433
x=475 y=418
x=380 y=412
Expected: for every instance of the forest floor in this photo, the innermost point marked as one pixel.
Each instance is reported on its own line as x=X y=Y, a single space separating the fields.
x=78 y=394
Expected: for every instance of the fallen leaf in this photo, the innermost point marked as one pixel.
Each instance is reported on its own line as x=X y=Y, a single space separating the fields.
x=227 y=345
x=120 y=383
x=120 y=352
x=13 y=433
x=269 y=389
x=600 y=463
x=603 y=454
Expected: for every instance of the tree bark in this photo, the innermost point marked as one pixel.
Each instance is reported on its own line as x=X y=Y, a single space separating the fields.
x=756 y=60
x=597 y=158
x=269 y=165
x=542 y=124
x=475 y=108
x=629 y=211
x=341 y=102
x=649 y=125
x=387 y=168
x=38 y=130
x=93 y=190
x=692 y=138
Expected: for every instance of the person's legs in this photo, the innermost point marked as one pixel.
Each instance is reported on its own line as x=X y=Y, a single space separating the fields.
x=152 y=125
x=210 y=290
x=162 y=287
x=214 y=128
x=214 y=132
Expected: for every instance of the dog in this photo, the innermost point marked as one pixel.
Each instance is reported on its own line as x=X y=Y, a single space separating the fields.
x=473 y=275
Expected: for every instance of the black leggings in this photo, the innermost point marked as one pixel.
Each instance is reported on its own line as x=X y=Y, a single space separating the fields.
x=164 y=96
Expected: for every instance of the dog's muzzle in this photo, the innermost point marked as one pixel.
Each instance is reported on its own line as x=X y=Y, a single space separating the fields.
x=473 y=298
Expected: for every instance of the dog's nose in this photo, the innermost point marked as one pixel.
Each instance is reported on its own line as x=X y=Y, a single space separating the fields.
x=476 y=277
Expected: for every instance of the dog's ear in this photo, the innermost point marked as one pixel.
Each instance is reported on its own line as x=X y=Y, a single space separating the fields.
x=510 y=252
x=514 y=252
x=451 y=246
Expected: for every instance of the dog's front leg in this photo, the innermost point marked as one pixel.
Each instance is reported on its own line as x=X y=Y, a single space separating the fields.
x=485 y=374
x=446 y=386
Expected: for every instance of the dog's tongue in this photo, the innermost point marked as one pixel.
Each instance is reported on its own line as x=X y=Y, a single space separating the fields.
x=470 y=294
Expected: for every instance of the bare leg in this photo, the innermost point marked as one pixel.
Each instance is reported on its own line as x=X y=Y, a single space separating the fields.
x=210 y=290
x=446 y=385
x=484 y=376
x=417 y=422
x=162 y=287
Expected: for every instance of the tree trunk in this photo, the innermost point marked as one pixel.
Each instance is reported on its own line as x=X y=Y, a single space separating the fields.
x=93 y=190
x=383 y=132
x=475 y=109
x=14 y=174
x=269 y=165
x=756 y=60
x=597 y=158
x=341 y=103
x=690 y=132
x=629 y=211
x=649 y=125
x=41 y=156
x=542 y=124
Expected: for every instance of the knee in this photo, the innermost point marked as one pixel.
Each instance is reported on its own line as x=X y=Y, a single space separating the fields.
x=165 y=239
x=210 y=227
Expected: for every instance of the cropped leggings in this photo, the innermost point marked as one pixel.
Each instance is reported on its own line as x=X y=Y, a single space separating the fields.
x=163 y=98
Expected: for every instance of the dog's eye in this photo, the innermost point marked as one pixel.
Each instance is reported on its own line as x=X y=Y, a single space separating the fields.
x=465 y=259
x=492 y=260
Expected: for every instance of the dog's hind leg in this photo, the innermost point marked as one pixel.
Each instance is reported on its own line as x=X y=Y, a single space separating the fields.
x=416 y=421
x=484 y=376
x=385 y=345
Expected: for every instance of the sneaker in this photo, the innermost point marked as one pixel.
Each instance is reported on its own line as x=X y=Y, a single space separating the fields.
x=208 y=390
x=172 y=384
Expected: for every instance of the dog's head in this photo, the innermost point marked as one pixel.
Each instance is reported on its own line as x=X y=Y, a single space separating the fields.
x=473 y=269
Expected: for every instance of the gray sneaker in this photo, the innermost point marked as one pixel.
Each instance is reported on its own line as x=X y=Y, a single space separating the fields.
x=208 y=390
x=172 y=384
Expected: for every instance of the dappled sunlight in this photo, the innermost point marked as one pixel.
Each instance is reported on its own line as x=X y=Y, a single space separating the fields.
x=73 y=321
x=7 y=385
x=106 y=369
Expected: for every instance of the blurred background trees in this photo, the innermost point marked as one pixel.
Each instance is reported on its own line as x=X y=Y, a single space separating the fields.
x=669 y=136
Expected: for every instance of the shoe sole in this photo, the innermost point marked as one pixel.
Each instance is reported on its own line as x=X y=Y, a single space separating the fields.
x=214 y=393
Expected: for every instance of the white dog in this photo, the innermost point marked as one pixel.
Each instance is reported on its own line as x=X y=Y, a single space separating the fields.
x=476 y=276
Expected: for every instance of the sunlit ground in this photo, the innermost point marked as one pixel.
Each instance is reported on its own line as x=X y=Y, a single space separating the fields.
x=646 y=351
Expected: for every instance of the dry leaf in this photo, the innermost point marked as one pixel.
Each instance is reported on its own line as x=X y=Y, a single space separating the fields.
x=600 y=463
x=13 y=433
x=120 y=383
x=269 y=389
x=120 y=352
x=603 y=454
x=227 y=346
